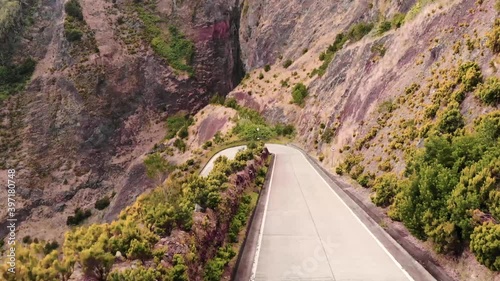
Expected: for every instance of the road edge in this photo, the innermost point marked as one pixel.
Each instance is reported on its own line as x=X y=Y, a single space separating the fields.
x=245 y=260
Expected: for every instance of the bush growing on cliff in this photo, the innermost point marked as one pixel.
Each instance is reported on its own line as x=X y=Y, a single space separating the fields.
x=299 y=93
x=73 y=9
x=489 y=92
x=470 y=75
x=73 y=34
x=355 y=33
x=287 y=63
x=102 y=203
x=493 y=37
x=155 y=165
x=177 y=51
x=79 y=217
x=14 y=77
x=451 y=121
x=176 y=123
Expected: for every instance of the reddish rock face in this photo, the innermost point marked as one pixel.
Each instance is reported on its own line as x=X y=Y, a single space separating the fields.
x=89 y=114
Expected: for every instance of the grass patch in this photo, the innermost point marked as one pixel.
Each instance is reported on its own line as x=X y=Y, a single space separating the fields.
x=177 y=125
x=173 y=46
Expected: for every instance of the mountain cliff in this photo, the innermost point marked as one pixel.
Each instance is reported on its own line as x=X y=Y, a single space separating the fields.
x=100 y=99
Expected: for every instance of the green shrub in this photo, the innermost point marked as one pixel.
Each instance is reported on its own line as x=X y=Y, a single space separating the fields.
x=489 y=92
x=493 y=37
x=215 y=267
x=359 y=30
x=207 y=145
x=327 y=135
x=267 y=67
x=102 y=203
x=139 y=273
x=49 y=247
x=287 y=63
x=217 y=99
x=356 y=171
x=79 y=217
x=180 y=145
x=285 y=130
x=179 y=271
x=451 y=121
x=155 y=165
x=250 y=131
x=470 y=75
x=183 y=132
x=73 y=9
x=384 y=26
x=430 y=111
x=261 y=76
x=231 y=103
x=398 y=20
x=385 y=188
x=176 y=123
x=485 y=244
x=299 y=93
x=13 y=77
x=385 y=166
x=27 y=239
x=365 y=180
x=178 y=51
x=73 y=35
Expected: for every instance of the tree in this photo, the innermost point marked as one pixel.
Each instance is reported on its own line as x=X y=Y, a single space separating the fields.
x=299 y=93
x=385 y=188
x=136 y=274
x=139 y=250
x=485 y=244
x=489 y=92
x=179 y=270
x=451 y=121
x=73 y=9
x=96 y=262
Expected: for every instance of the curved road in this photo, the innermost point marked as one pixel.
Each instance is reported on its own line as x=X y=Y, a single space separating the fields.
x=306 y=230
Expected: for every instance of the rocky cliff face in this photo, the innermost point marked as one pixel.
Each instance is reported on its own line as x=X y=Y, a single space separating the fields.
x=94 y=107
x=373 y=102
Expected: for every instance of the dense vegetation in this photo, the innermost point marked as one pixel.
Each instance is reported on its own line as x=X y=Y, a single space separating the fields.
x=13 y=77
x=449 y=193
x=74 y=20
x=10 y=11
x=171 y=45
x=252 y=127
x=95 y=248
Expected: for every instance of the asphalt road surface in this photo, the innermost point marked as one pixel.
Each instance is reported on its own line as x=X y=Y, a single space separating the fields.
x=303 y=230
x=309 y=233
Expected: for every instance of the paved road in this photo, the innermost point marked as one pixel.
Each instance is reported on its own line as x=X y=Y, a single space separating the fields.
x=309 y=233
x=229 y=153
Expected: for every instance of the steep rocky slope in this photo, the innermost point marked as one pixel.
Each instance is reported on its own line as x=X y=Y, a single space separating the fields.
x=375 y=91
x=96 y=104
x=379 y=76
